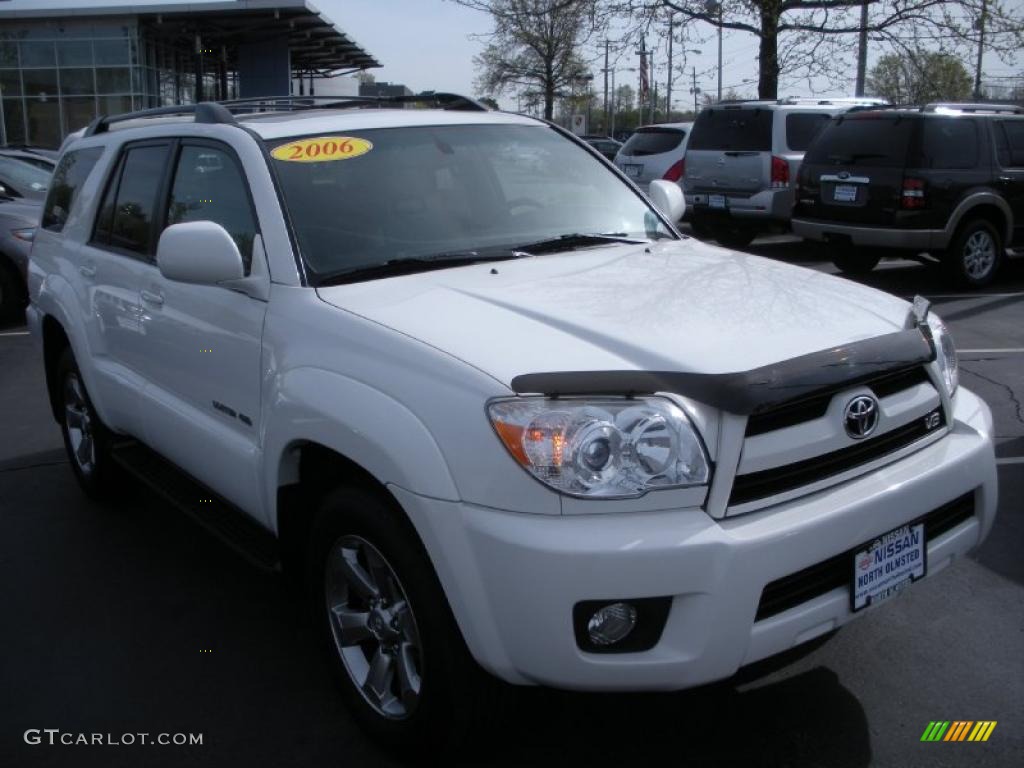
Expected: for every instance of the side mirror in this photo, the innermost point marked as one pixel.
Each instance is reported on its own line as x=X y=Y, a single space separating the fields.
x=198 y=252
x=667 y=198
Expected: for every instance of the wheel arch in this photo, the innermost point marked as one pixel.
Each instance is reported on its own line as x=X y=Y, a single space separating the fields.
x=981 y=205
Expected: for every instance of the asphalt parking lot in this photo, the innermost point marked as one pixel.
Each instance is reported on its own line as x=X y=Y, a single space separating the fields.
x=130 y=619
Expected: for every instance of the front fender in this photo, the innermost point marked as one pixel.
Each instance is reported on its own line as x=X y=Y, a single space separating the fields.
x=373 y=430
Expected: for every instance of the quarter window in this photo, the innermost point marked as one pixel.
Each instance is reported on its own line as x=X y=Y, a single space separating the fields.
x=208 y=186
x=71 y=173
x=1010 y=143
x=949 y=143
x=126 y=216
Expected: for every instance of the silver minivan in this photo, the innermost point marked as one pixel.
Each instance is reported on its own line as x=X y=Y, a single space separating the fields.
x=655 y=152
x=742 y=160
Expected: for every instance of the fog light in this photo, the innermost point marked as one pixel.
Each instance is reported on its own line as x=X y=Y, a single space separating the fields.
x=611 y=623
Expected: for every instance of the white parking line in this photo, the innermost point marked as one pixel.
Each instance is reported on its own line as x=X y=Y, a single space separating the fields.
x=14 y=333
x=952 y=296
x=1011 y=460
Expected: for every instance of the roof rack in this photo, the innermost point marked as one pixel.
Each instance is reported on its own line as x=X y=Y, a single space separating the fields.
x=224 y=112
x=1009 y=109
x=859 y=101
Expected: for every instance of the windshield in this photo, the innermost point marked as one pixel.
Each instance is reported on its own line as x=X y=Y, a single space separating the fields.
x=396 y=194
x=24 y=178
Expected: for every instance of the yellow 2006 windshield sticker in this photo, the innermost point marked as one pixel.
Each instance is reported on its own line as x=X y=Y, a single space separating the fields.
x=322 y=149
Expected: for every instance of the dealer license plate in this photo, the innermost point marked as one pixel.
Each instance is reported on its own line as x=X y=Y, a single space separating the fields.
x=845 y=193
x=633 y=171
x=887 y=565
x=716 y=201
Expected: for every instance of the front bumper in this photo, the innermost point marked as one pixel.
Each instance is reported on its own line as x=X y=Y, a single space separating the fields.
x=512 y=579
x=879 y=237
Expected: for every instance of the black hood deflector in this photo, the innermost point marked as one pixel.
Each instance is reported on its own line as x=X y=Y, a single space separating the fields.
x=756 y=390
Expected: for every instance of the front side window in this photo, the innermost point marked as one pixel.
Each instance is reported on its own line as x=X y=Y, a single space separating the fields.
x=421 y=192
x=71 y=173
x=208 y=186
x=126 y=216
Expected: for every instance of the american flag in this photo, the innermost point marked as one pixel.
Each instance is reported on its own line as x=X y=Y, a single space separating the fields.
x=645 y=84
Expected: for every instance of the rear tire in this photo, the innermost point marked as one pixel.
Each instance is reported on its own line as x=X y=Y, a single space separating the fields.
x=86 y=439
x=733 y=235
x=852 y=262
x=975 y=255
x=394 y=646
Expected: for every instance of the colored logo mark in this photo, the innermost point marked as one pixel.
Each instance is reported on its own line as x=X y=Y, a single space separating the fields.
x=958 y=730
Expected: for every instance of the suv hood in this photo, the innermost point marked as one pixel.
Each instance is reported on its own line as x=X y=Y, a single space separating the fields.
x=673 y=306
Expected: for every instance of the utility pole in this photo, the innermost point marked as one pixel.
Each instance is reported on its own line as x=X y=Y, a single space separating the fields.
x=644 y=84
x=695 y=91
x=652 y=88
x=715 y=7
x=862 y=49
x=607 y=112
x=615 y=106
x=981 y=47
x=668 y=84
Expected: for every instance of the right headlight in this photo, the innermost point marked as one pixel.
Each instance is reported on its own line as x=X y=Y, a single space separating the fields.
x=602 y=447
x=945 y=354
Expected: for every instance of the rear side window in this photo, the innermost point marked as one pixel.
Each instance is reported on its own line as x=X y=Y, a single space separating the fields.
x=739 y=130
x=802 y=127
x=1010 y=143
x=868 y=140
x=72 y=171
x=653 y=141
x=949 y=143
x=126 y=216
x=208 y=186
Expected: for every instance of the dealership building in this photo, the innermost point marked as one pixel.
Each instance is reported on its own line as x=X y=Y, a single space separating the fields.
x=61 y=65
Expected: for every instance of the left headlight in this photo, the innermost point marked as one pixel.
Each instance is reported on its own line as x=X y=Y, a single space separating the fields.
x=945 y=353
x=609 y=448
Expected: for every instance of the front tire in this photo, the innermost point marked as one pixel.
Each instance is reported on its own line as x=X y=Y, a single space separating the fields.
x=393 y=643
x=87 y=440
x=975 y=255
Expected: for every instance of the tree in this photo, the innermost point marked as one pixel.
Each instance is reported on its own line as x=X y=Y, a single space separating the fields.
x=920 y=77
x=488 y=102
x=818 y=36
x=535 y=45
x=365 y=78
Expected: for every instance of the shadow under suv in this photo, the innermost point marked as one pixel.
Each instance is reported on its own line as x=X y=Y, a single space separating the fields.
x=944 y=179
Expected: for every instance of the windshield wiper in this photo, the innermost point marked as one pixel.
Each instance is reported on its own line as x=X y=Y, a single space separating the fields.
x=575 y=240
x=413 y=264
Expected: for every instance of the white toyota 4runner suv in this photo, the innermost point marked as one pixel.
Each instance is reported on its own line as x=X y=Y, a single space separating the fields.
x=498 y=414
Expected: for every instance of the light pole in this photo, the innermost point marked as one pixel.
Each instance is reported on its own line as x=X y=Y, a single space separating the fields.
x=714 y=7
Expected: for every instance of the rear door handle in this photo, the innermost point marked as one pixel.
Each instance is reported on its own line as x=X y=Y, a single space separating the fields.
x=153 y=298
x=87 y=270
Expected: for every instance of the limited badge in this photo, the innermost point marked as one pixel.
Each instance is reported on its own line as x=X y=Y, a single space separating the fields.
x=322 y=149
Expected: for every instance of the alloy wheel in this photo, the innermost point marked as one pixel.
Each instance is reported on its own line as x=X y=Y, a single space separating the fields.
x=373 y=627
x=979 y=255
x=79 y=425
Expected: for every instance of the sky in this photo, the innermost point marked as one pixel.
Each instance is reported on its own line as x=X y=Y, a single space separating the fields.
x=430 y=44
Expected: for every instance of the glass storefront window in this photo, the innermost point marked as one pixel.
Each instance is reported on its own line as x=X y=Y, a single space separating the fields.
x=43 y=118
x=10 y=82
x=113 y=80
x=40 y=82
x=8 y=55
x=13 y=121
x=77 y=82
x=78 y=112
x=111 y=52
x=114 y=105
x=74 y=53
x=38 y=54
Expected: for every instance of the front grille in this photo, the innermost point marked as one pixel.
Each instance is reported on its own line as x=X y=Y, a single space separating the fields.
x=814 y=407
x=821 y=578
x=769 y=482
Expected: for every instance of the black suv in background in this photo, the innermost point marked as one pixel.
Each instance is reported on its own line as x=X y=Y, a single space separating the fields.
x=944 y=179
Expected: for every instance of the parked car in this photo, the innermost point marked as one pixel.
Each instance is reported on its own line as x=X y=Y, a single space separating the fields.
x=43 y=161
x=655 y=152
x=22 y=179
x=606 y=145
x=742 y=160
x=18 y=222
x=946 y=179
x=518 y=431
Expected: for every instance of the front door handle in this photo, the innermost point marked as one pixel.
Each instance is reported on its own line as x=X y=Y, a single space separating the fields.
x=153 y=298
x=87 y=270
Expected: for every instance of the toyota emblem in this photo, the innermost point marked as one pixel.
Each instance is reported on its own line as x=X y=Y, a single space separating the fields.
x=861 y=416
